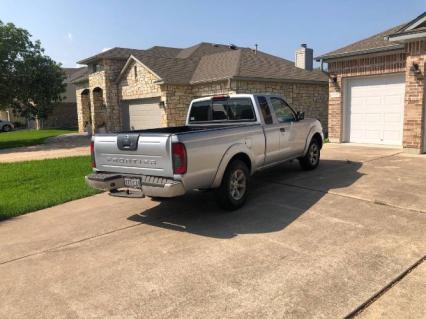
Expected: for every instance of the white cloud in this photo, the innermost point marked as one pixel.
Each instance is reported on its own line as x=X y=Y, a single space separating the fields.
x=69 y=36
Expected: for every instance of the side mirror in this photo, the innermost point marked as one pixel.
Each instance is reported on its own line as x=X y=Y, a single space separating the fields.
x=300 y=115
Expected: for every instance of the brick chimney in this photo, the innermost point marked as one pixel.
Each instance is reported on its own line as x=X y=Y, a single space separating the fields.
x=304 y=58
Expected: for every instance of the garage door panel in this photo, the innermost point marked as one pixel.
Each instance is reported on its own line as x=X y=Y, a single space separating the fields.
x=391 y=135
x=375 y=109
x=142 y=114
x=373 y=101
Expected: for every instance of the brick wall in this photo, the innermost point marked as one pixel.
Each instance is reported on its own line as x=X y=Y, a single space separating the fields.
x=414 y=97
x=359 y=66
x=398 y=62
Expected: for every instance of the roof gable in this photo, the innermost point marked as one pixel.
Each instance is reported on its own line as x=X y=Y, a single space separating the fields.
x=374 y=43
x=415 y=29
x=420 y=21
x=391 y=39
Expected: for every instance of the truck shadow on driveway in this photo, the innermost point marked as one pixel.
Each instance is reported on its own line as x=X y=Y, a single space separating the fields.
x=277 y=197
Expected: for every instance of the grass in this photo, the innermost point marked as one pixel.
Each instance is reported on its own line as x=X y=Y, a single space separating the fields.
x=28 y=137
x=34 y=185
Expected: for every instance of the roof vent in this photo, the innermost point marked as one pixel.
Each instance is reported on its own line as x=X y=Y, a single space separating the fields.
x=304 y=57
x=233 y=47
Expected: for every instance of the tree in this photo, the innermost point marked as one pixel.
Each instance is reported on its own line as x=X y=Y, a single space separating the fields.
x=30 y=81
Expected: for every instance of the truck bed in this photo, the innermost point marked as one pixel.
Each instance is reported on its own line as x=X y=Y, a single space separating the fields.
x=184 y=129
x=151 y=154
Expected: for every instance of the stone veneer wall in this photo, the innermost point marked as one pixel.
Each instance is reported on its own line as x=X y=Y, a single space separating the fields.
x=360 y=66
x=307 y=97
x=82 y=112
x=140 y=85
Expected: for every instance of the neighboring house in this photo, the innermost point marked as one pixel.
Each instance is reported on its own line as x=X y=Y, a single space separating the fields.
x=64 y=113
x=377 y=91
x=128 y=89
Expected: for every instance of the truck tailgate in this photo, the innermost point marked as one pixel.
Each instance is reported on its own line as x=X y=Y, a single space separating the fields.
x=151 y=156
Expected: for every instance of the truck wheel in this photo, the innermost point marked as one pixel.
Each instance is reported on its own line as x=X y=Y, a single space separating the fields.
x=232 y=193
x=7 y=128
x=312 y=158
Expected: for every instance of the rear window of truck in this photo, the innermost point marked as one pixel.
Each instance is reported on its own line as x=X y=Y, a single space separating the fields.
x=223 y=110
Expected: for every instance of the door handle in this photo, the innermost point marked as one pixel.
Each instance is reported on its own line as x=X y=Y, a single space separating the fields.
x=282 y=129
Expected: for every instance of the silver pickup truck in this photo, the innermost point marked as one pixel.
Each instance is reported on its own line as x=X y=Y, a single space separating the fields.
x=226 y=139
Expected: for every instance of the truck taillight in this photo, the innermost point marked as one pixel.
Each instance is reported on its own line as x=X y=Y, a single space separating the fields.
x=92 y=153
x=179 y=158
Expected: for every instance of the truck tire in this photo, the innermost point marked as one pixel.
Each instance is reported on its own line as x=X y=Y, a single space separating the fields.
x=232 y=192
x=312 y=157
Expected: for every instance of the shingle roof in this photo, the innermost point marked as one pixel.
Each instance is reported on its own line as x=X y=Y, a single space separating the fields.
x=73 y=73
x=171 y=70
x=114 y=53
x=244 y=63
x=374 y=43
x=78 y=75
x=208 y=62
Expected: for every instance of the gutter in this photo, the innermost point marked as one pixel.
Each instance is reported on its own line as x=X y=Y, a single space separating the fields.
x=406 y=36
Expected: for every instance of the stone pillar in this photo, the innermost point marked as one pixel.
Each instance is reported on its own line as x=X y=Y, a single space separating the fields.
x=414 y=97
x=83 y=108
x=112 y=69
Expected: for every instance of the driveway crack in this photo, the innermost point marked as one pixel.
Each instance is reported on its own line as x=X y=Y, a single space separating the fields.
x=382 y=291
x=373 y=201
x=70 y=243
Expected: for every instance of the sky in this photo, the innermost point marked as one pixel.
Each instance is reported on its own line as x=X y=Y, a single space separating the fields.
x=73 y=30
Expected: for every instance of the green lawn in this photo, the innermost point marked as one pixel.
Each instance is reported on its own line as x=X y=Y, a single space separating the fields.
x=33 y=185
x=28 y=137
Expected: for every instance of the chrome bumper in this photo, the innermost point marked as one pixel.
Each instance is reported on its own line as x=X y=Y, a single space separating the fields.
x=152 y=186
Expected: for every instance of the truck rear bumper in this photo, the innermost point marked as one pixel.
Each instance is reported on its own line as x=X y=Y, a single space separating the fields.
x=152 y=186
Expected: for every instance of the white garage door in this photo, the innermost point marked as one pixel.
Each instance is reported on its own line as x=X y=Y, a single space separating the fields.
x=375 y=109
x=142 y=114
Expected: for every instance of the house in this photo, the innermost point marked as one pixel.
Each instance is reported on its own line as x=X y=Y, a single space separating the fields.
x=64 y=113
x=128 y=89
x=377 y=91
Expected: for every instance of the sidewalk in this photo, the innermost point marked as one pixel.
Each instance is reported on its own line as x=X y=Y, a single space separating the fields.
x=61 y=146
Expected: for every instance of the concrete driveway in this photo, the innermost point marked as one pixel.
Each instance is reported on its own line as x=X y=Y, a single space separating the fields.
x=347 y=239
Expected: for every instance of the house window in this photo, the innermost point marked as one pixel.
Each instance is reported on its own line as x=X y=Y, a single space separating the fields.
x=135 y=70
x=97 y=67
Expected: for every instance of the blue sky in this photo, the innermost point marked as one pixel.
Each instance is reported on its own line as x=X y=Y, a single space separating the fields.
x=73 y=30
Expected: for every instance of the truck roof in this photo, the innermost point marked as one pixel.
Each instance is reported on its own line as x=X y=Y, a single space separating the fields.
x=233 y=95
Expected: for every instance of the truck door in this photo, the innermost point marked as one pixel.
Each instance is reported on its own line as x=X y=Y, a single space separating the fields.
x=272 y=132
x=286 y=121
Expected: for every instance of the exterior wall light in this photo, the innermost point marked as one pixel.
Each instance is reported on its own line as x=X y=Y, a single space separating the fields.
x=162 y=104
x=415 y=69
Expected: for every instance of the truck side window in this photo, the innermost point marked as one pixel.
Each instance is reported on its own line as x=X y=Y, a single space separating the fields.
x=282 y=110
x=200 y=111
x=240 y=109
x=264 y=107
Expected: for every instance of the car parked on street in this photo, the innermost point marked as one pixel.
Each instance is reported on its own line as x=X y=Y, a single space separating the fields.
x=6 y=126
x=226 y=139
